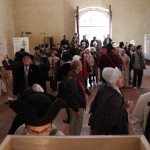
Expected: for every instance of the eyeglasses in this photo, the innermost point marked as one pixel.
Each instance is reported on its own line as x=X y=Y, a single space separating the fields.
x=43 y=132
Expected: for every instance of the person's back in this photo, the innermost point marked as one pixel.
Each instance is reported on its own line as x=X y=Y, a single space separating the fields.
x=108 y=111
x=109 y=59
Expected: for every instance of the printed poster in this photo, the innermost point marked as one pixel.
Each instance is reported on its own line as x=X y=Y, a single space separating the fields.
x=21 y=42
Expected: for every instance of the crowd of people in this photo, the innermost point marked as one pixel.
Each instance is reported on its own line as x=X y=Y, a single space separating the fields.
x=71 y=67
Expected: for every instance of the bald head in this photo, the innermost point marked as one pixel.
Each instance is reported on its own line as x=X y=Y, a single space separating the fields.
x=76 y=65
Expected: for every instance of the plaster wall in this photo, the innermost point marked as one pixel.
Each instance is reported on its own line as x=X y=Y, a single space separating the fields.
x=130 y=18
x=7 y=30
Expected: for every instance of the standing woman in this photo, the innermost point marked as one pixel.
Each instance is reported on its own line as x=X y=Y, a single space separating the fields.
x=90 y=61
x=125 y=67
x=52 y=73
x=108 y=109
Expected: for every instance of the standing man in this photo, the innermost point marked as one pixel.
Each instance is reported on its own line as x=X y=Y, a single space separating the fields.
x=26 y=75
x=94 y=40
x=107 y=40
x=84 y=40
x=76 y=97
x=64 y=41
x=138 y=63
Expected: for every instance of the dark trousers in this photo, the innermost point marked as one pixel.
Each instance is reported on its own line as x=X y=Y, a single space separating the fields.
x=137 y=77
x=53 y=83
x=130 y=78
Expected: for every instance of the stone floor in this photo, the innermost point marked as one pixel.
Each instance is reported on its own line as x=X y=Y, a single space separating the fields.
x=6 y=115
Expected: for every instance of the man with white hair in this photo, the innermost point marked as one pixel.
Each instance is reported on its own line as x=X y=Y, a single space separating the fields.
x=108 y=109
x=77 y=96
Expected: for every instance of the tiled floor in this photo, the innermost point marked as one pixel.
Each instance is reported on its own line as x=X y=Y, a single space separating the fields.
x=6 y=115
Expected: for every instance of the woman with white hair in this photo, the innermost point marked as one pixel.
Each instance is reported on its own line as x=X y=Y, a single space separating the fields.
x=90 y=60
x=108 y=109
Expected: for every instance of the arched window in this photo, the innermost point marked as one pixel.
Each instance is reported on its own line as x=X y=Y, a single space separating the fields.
x=93 y=23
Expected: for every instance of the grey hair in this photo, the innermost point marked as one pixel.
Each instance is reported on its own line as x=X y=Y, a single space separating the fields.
x=87 y=50
x=74 y=64
x=93 y=49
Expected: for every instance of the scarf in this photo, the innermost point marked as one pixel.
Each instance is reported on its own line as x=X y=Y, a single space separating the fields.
x=80 y=82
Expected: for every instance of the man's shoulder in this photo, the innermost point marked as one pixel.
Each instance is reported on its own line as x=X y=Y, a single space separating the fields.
x=33 y=66
x=55 y=131
x=145 y=98
x=21 y=130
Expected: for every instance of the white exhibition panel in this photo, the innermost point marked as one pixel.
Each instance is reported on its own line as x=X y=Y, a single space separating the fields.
x=21 y=42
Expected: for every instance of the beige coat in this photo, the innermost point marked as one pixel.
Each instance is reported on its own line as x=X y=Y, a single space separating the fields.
x=53 y=69
x=140 y=114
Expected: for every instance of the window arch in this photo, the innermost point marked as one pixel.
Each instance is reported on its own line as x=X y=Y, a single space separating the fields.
x=93 y=22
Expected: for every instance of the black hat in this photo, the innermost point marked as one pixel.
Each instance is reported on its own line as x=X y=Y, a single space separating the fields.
x=36 y=48
x=27 y=54
x=121 y=44
x=66 y=56
x=37 y=109
x=22 y=50
x=109 y=47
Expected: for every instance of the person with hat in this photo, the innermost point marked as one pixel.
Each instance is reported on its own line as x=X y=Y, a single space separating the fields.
x=37 y=111
x=26 y=75
x=108 y=112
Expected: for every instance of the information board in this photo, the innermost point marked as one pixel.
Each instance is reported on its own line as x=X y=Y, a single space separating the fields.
x=21 y=42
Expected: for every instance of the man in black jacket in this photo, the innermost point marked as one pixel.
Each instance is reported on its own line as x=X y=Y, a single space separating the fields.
x=26 y=76
x=76 y=97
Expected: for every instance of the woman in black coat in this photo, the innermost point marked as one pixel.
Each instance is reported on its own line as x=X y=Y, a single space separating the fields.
x=108 y=109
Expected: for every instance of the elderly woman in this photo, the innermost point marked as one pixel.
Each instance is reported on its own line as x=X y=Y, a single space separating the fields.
x=108 y=109
x=90 y=61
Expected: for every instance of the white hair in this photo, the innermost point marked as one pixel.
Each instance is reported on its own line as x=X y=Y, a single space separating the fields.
x=37 y=88
x=76 y=57
x=93 y=49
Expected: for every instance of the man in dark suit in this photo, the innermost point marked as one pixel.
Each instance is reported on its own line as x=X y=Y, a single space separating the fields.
x=107 y=40
x=26 y=75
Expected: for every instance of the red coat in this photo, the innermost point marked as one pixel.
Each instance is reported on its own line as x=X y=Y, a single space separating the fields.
x=84 y=73
x=109 y=59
